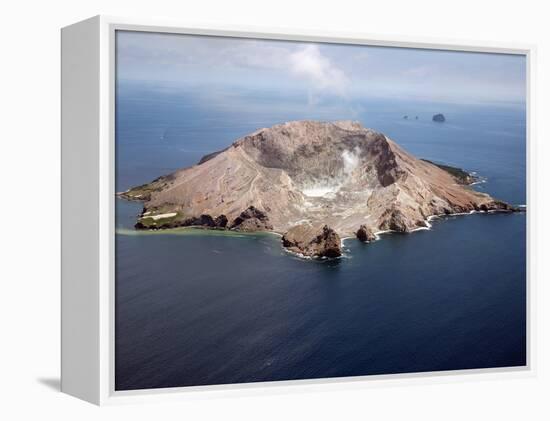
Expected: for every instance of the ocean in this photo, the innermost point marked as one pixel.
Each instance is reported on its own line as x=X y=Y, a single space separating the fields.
x=196 y=307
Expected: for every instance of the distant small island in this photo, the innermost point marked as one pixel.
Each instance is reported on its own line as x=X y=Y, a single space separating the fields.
x=440 y=118
x=313 y=183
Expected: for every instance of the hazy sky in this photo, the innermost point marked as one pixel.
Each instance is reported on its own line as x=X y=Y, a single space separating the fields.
x=319 y=71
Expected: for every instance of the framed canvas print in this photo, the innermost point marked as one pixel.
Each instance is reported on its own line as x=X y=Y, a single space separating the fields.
x=247 y=208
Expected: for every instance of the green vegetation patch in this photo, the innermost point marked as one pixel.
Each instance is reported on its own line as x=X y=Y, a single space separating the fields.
x=143 y=192
x=463 y=177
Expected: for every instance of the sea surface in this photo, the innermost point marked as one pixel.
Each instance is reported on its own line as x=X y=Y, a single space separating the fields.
x=195 y=307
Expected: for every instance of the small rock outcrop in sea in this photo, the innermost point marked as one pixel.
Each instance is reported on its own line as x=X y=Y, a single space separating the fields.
x=365 y=234
x=313 y=241
x=440 y=118
x=251 y=219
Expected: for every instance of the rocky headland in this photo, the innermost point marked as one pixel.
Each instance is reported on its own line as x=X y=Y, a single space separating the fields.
x=313 y=240
x=314 y=183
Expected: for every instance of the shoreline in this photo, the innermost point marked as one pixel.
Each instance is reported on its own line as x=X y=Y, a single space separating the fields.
x=201 y=230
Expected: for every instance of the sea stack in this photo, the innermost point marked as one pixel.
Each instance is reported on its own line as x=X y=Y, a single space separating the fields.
x=313 y=240
x=365 y=234
x=440 y=118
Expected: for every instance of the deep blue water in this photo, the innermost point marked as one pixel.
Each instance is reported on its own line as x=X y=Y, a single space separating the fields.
x=198 y=308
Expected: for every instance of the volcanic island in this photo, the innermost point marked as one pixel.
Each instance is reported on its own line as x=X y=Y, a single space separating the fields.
x=314 y=183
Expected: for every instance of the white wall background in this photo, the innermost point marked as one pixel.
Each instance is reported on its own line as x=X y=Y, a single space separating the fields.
x=29 y=238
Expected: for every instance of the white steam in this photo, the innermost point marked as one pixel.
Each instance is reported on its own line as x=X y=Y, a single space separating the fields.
x=351 y=161
x=322 y=74
x=320 y=191
x=328 y=188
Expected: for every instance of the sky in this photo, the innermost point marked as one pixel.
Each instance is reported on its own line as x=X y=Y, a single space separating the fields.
x=320 y=71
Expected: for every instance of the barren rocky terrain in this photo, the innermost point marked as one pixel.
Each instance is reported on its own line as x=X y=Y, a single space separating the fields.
x=303 y=178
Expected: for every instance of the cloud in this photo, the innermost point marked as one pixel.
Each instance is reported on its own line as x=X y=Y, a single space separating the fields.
x=304 y=63
x=168 y=56
x=323 y=76
x=321 y=70
x=420 y=71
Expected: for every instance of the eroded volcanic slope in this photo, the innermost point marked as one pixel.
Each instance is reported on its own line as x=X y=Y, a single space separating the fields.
x=338 y=174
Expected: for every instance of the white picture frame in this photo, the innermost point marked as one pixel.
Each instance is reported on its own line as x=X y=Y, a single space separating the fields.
x=88 y=68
